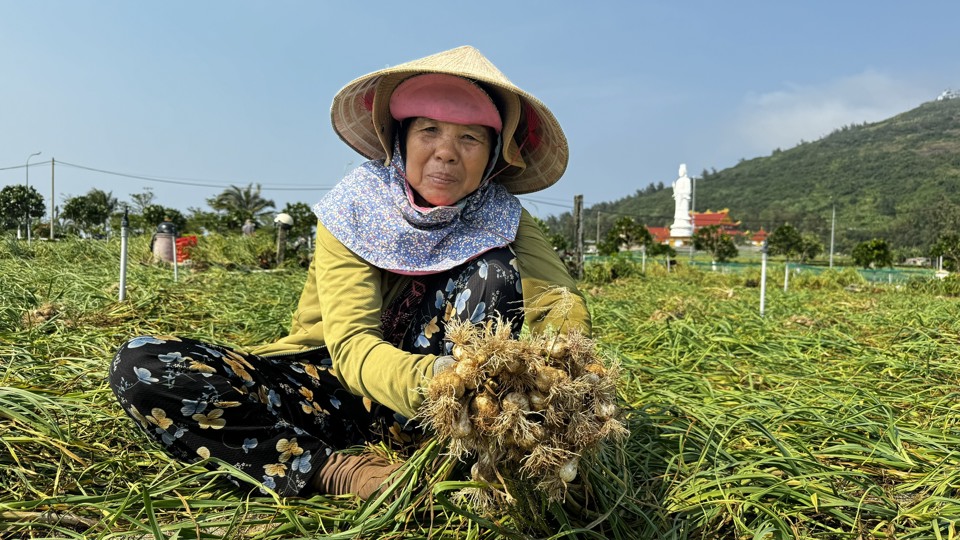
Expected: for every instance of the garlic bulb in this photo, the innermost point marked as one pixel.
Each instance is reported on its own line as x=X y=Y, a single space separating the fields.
x=538 y=401
x=606 y=409
x=548 y=377
x=568 y=472
x=462 y=428
x=516 y=400
x=485 y=410
x=446 y=383
x=595 y=368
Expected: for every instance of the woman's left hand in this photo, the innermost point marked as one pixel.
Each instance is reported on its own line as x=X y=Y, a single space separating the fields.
x=443 y=363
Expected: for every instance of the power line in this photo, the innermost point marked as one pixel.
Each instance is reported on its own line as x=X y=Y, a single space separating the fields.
x=143 y=177
x=555 y=199
x=24 y=166
x=189 y=182
x=176 y=181
x=546 y=202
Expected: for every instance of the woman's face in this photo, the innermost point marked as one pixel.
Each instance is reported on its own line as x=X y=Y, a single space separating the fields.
x=445 y=162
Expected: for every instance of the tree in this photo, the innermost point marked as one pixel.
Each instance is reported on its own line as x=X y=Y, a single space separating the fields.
x=238 y=204
x=718 y=243
x=558 y=241
x=948 y=247
x=625 y=233
x=105 y=202
x=810 y=247
x=203 y=220
x=142 y=200
x=873 y=253
x=786 y=241
x=304 y=220
x=154 y=214
x=16 y=202
x=655 y=249
x=90 y=212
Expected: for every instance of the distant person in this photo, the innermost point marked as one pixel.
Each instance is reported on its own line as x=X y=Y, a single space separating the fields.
x=249 y=227
x=429 y=230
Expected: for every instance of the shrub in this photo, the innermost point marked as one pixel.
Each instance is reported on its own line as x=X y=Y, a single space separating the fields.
x=611 y=269
x=948 y=286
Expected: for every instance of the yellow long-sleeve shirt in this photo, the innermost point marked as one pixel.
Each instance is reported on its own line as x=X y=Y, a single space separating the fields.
x=343 y=298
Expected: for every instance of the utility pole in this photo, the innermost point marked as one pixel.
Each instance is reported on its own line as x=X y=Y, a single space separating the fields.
x=833 y=226
x=693 y=198
x=693 y=212
x=578 y=234
x=763 y=276
x=52 y=162
x=27 y=170
x=597 y=243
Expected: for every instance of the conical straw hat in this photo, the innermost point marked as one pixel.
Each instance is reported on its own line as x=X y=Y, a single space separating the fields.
x=535 y=150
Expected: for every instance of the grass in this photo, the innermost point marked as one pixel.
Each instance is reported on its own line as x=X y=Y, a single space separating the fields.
x=833 y=416
x=836 y=415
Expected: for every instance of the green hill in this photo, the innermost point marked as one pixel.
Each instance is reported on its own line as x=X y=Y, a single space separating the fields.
x=898 y=179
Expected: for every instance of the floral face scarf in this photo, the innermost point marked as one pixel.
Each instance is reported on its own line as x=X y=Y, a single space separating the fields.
x=371 y=211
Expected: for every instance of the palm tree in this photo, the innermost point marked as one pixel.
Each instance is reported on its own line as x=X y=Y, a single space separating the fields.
x=105 y=202
x=239 y=204
x=90 y=212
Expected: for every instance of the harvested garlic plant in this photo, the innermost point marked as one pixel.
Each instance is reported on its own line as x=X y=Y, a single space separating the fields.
x=527 y=409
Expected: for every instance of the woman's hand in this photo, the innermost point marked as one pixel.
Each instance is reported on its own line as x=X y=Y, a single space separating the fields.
x=443 y=363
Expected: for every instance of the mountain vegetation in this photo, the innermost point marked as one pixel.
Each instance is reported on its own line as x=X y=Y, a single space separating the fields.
x=896 y=180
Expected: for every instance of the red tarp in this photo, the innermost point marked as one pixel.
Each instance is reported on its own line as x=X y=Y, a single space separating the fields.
x=184 y=243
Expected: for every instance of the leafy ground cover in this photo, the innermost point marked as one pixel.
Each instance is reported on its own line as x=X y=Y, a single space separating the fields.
x=836 y=415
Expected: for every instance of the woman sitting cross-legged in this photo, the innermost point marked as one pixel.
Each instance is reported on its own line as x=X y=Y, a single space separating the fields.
x=428 y=231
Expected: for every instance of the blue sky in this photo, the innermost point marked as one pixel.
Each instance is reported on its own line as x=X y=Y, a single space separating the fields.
x=222 y=92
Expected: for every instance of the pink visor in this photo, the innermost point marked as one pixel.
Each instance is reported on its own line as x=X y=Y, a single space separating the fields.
x=446 y=98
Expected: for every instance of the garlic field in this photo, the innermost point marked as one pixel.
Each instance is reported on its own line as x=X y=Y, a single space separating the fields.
x=835 y=415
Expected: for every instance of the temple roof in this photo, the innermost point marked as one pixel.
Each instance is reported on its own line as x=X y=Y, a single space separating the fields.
x=709 y=218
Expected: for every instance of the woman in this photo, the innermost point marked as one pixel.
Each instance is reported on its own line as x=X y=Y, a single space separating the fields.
x=426 y=231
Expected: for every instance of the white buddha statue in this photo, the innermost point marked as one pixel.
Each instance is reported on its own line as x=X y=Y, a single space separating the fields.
x=682 y=191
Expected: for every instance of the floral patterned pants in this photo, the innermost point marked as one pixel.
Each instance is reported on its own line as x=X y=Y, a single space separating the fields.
x=277 y=418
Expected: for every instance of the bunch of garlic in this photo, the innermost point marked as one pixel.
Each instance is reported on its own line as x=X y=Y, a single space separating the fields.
x=525 y=409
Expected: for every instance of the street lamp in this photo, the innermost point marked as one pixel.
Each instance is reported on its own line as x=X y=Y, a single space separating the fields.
x=28 y=193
